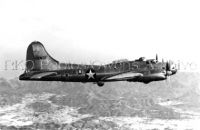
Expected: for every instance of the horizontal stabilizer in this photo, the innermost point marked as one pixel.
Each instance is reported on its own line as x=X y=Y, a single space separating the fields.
x=42 y=75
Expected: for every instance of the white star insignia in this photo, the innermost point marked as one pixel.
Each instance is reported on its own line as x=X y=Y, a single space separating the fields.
x=90 y=74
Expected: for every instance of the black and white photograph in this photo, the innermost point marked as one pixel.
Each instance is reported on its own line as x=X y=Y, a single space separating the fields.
x=99 y=65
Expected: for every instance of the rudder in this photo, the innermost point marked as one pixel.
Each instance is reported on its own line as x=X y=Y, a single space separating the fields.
x=37 y=58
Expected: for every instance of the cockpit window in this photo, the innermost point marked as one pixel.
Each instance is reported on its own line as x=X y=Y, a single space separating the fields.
x=153 y=61
x=142 y=59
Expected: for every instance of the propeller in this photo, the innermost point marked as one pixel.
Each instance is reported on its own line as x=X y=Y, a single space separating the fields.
x=156 y=57
x=168 y=69
x=168 y=73
x=168 y=66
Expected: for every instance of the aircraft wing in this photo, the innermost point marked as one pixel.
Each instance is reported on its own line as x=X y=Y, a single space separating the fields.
x=124 y=76
x=43 y=74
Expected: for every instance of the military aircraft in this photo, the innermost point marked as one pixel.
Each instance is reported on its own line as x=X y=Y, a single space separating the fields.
x=40 y=66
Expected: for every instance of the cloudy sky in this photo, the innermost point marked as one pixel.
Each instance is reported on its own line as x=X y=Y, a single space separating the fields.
x=92 y=30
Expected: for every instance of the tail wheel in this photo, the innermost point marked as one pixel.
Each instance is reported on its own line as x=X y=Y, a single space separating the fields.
x=100 y=84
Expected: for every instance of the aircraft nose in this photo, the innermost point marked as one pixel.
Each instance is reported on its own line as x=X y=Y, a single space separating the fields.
x=174 y=71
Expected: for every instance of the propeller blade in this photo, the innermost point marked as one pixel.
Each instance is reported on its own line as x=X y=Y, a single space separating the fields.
x=168 y=81
x=156 y=57
x=168 y=73
x=168 y=68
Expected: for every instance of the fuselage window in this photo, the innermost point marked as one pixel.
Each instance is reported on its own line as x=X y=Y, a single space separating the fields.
x=79 y=71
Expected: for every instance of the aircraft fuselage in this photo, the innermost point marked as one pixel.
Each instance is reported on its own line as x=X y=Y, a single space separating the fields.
x=40 y=66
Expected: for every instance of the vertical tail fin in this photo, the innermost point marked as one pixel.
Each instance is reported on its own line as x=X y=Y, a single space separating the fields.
x=37 y=58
